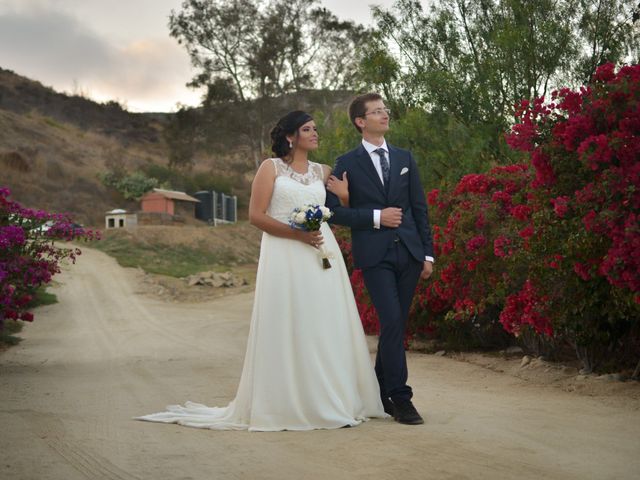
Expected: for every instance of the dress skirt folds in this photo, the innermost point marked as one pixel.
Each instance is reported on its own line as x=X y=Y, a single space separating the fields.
x=307 y=365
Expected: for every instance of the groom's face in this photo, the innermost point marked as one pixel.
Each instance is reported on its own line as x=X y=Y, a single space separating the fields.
x=376 y=119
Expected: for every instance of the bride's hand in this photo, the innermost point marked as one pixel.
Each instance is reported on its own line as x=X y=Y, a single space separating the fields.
x=310 y=238
x=339 y=187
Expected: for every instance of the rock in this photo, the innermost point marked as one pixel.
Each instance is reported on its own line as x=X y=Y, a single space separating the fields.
x=526 y=360
x=581 y=378
x=536 y=362
x=513 y=350
x=216 y=280
x=440 y=353
x=568 y=370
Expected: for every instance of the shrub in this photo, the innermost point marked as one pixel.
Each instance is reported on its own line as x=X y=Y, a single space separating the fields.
x=29 y=258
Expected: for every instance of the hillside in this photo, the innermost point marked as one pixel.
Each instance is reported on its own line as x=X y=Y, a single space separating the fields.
x=53 y=145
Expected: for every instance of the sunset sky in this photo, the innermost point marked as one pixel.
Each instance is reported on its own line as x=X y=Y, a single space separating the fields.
x=112 y=50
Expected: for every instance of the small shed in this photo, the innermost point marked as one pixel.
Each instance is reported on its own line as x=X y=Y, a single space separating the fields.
x=119 y=218
x=169 y=201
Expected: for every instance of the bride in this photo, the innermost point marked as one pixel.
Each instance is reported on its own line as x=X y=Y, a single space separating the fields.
x=307 y=365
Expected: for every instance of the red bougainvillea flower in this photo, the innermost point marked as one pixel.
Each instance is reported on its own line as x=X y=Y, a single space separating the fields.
x=521 y=212
x=476 y=242
x=560 y=205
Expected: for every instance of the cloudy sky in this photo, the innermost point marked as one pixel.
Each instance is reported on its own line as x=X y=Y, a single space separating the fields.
x=112 y=49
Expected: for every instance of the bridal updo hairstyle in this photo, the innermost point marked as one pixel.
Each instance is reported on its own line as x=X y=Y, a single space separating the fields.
x=287 y=125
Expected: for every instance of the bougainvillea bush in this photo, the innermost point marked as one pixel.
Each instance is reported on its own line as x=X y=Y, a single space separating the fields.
x=29 y=254
x=551 y=248
x=546 y=251
x=478 y=227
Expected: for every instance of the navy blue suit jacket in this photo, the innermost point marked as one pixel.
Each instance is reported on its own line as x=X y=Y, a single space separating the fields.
x=366 y=193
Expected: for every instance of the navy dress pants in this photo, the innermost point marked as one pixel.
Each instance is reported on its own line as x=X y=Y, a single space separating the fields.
x=391 y=285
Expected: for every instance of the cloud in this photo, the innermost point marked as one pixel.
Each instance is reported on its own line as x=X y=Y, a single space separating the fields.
x=58 y=49
x=154 y=72
x=358 y=10
x=50 y=44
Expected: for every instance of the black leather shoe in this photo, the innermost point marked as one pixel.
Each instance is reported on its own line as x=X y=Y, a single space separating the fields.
x=405 y=412
x=388 y=406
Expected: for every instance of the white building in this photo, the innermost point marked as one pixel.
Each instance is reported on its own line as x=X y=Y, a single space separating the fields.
x=119 y=218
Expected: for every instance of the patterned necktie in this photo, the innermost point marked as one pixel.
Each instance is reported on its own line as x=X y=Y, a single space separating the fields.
x=384 y=165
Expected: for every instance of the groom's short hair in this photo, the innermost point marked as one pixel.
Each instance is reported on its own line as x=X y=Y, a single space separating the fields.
x=358 y=106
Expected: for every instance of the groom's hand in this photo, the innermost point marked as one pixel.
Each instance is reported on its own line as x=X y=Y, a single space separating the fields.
x=427 y=270
x=391 y=217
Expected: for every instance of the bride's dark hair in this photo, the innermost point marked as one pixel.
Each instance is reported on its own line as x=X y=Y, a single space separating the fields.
x=287 y=125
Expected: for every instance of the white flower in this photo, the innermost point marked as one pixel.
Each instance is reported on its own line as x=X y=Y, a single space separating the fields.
x=299 y=218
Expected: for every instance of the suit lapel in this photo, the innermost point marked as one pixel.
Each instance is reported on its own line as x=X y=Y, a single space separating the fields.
x=367 y=165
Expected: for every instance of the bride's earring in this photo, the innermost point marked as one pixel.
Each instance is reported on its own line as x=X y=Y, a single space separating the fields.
x=290 y=144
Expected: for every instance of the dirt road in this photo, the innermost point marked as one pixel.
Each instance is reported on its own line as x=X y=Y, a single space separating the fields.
x=105 y=353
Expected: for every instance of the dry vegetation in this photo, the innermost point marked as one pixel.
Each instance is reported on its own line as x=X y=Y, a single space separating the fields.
x=166 y=255
x=52 y=146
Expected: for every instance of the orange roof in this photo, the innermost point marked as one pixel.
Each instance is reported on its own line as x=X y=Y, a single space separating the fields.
x=175 y=195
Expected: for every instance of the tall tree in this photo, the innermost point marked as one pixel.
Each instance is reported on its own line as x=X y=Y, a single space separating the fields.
x=249 y=52
x=609 y=30
x=468 y=62
x=475 y=58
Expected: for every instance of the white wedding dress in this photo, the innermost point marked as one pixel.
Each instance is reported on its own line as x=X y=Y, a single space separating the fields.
x=307 y=365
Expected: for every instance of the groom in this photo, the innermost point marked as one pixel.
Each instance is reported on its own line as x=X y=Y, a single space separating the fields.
x=391 y=240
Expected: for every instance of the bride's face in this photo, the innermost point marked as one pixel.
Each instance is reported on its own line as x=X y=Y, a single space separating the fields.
x=307 y=138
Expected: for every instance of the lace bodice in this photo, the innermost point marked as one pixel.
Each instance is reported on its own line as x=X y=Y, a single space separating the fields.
x=292 y=189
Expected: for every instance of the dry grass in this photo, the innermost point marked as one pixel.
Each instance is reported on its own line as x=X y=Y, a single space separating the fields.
x=181 y=251
x=52 y=147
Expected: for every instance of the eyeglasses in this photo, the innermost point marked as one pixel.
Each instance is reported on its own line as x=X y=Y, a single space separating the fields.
x=378 y=112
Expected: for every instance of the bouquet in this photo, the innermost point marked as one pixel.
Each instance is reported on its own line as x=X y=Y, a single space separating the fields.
x=309 y=218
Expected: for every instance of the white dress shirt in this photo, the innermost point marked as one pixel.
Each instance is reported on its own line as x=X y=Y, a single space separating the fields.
x=375 y=159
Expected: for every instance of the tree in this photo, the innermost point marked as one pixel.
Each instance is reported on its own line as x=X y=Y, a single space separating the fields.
x=180 y=135
x=466 y=63
x=475 y=58
x=609 y=30
x=131 y=186
x=248 y=53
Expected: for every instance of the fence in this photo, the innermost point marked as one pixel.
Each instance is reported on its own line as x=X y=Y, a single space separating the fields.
x=216 y=207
